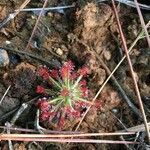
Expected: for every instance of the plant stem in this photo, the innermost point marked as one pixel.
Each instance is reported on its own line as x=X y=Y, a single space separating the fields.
x=78 y=80
x=55 y=82
x=83 y=100
x=55 y=100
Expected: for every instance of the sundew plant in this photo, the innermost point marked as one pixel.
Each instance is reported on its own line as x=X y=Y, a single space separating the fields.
x=67 y=96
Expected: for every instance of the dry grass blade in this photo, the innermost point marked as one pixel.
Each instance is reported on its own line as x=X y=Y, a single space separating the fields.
x=68 y=140
x=35 y=131
x=5 y=94
x=132 y=71
x=142 y=22
x=36 y=24
x=64 y=135
x=47 y=9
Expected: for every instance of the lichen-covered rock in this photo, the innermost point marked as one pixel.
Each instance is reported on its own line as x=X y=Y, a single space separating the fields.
x=4 y=58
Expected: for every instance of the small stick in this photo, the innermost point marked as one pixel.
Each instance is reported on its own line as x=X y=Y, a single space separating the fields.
x=5 y=94
x=19 y=129
x=37 y=126
x=28 y=54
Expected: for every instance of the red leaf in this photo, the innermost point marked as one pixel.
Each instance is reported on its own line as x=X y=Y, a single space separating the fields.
x=84 y=71
x=98 y=104
x=65 y=92
x=66 y=69
x=44 y=105
x=54 y=74
x=43 y=72
x=44 y=116
x=40 y=89
x=61 y=122
x=83 y=83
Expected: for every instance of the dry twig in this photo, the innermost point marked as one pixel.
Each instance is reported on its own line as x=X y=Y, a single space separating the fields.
x=24 y=53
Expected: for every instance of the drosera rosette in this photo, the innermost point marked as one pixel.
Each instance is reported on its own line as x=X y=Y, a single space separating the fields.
x=67 y=96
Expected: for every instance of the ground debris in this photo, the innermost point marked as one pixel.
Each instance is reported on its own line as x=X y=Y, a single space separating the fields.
x=20 y=146
x=22 y=79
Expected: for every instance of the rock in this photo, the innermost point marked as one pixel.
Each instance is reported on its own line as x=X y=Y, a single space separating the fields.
x=14 y=59
x=107 y=55
x=115 y=110
x=59 y=51
x=4 y=58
